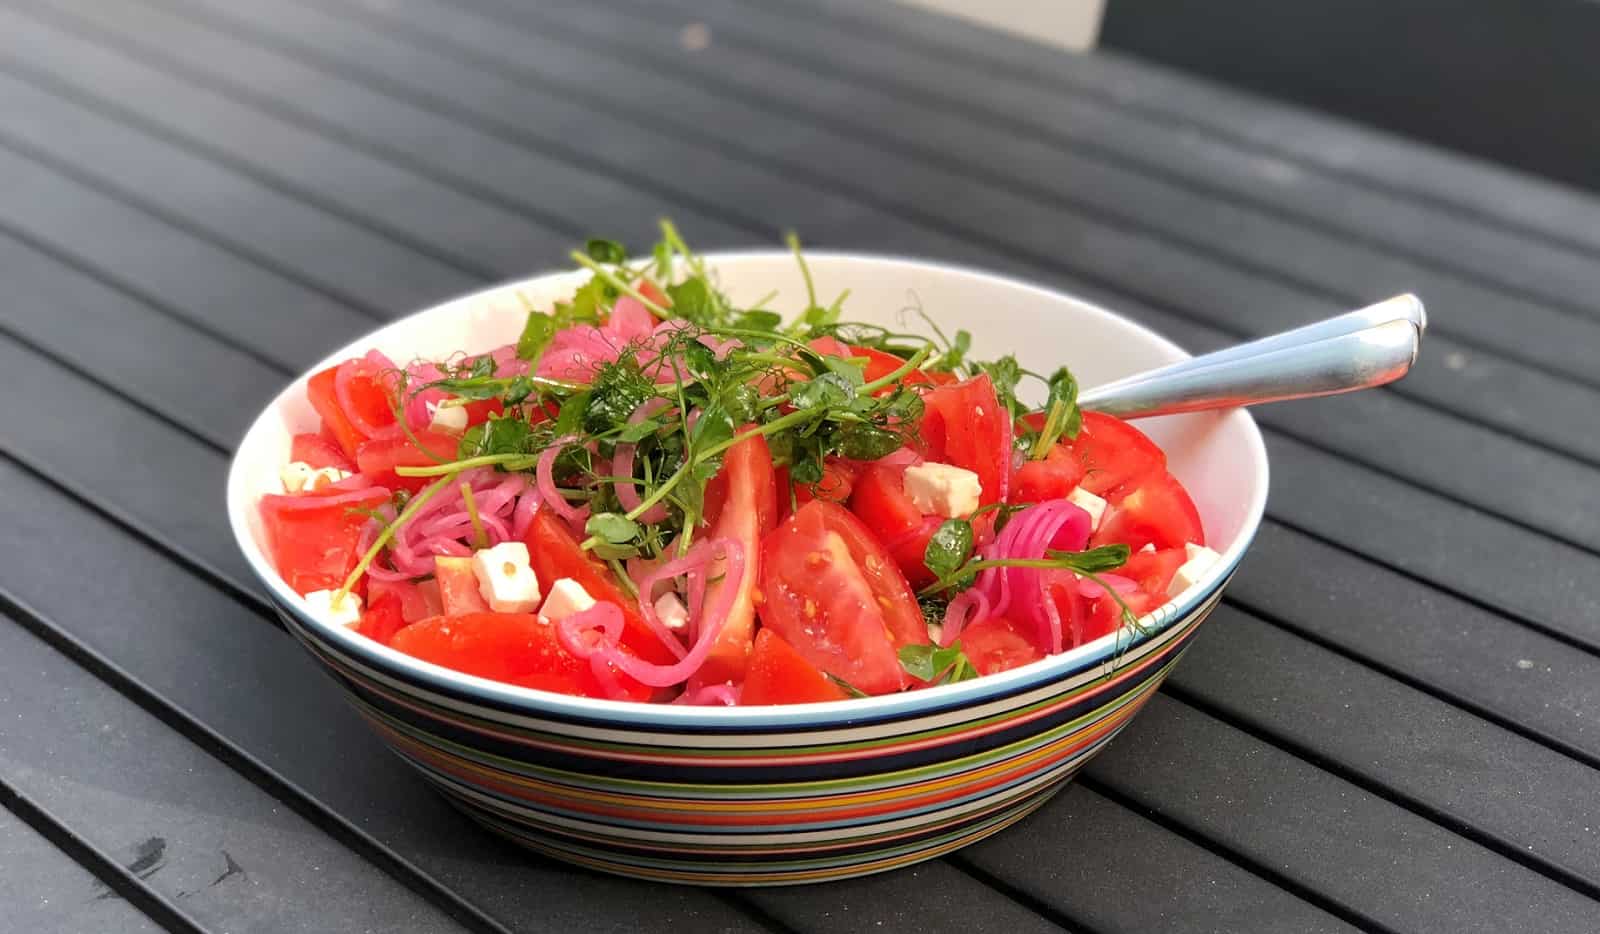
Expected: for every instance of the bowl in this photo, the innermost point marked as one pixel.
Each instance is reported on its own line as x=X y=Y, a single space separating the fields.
x=786 y=794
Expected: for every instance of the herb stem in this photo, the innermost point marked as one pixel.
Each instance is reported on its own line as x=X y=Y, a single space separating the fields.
x=615 y=281
x=416 y=503
x=480 y=537
x=482 y=460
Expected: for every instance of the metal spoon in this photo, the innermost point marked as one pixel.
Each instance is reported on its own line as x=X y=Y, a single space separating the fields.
x=1357 y=350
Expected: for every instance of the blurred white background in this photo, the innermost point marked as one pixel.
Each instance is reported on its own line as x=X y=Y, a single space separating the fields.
x=1071 y=23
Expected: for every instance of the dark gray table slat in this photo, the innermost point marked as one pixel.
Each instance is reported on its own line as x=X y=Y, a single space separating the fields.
x=1181 y=886
x=1486 y=486
x=289 y=324
x=1471 y=656
x=347 y=260
x=1382 y=862
x=1525 y=800
x=227 y=852
x=46 y=892
x=123 y=341
x=305 y=726
x=1463 y=191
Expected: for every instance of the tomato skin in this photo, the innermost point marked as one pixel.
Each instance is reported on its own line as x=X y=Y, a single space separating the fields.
x=829 y=590
x=319 y=390
x=417 y=601
x=837 y=483
x=880 y=502
x=1057 y=475
x=378 y=458
x=995 y=644
x=479 y=411
x=318 y=452
x=1111 y=452
x=1153 y=571
x=777 y=674
x=651 y=291
x=312 y=537
x=747 y=510
x=516 y=648
x=554 y=554
x=382 y=617
x=964 y=425
x=1156 y=510
x=458 y=586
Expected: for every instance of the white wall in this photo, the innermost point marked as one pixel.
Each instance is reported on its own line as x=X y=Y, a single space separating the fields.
x=1074 y=24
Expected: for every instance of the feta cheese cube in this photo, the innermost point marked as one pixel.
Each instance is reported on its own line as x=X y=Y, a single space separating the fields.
x=451 y=418
x=506 y=579
x=567 y=598
x=943 y=490
x=671 y=611
x=347 y=612
x=1200 y=560
x=1089 y=503
x=301 y=477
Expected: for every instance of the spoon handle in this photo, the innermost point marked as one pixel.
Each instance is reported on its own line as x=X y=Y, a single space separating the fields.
x=1288 y=369
x=1407 y=307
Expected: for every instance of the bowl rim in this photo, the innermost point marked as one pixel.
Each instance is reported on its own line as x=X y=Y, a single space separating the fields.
x=532 y=701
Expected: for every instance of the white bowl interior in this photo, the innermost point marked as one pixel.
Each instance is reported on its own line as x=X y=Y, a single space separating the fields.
x=1219 y=456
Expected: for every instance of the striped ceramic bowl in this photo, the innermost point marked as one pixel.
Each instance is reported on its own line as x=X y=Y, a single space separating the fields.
x=774 y=795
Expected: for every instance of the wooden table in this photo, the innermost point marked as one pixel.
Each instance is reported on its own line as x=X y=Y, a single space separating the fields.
x=1393 y=724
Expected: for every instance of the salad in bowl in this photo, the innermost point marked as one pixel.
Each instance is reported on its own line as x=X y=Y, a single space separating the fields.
x=647 y=576
x=656 y=495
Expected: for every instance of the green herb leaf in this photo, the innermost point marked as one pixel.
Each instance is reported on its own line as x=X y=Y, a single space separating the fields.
x=570 y=419
x=828 y=389
x=949 y=548
x=692 y=300
x=536 y=335
x=945 y=665
x=844 y=685
x=1093 y=561
x=954 y=356
x=638 y=431
x=758 y=321
x=606 y=251
x=863 y=442
x=506 y=434
x=1005 y=373
x=612 y=527
x=1062 y=417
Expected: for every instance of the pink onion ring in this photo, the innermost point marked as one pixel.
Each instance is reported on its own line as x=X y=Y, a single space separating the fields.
x=622 y=466
x=544 y=479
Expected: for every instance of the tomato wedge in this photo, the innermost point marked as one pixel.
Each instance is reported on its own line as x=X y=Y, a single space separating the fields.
x=382 y=617
x=417 y=601
x=1153 y=570
x=1110 y=451
x=995 y=644
x=1155 y=511
x=318 y=452
x=880 y=363
x=779 y=675
x=1057 y=475
x=829 y=590
x=964 y=425
x=517 y=648
x=378 y=457
x=880 y=502
x=555 y=554
x=746 y=507
x=837 y=483
x=369 y=398
x=458 y=586
x=312 y=537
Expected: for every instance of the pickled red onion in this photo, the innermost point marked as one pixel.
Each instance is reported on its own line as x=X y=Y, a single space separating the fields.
x=622 y=466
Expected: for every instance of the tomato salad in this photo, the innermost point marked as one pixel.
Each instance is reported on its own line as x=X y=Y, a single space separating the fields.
x=655 y=495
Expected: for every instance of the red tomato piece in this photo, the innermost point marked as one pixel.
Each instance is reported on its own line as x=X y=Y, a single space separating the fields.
x=319 y=390
x=746 y=510
x=880 y=502
x=378 y=457
x=964 y=425
x=1155 y=511
x=829 y=590
x=555 y=554
x=1058 y=474
x=458 y=586
x=312 y=537
x=1153 y=570
x=516 y=648
x=382 y=617
x=879 y=364
x=779 y=675
x=478 y=412
x=1111 y=452
x=837 y=483
x=318 y=452
x=649 y=290
x=417 y=601
x=995 y=644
